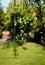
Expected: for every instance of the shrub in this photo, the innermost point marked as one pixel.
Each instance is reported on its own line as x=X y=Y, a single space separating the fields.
x=0 y=33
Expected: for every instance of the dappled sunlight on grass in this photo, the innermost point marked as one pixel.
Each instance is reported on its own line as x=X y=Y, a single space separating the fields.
x=26 y=54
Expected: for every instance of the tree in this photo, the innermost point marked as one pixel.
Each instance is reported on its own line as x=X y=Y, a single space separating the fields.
x=1 y=15
x=24 y=18
x=40 y=21
x=1 y=20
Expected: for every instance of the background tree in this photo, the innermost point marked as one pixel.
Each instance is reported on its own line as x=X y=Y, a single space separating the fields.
x=1 y=20
x=1 y=15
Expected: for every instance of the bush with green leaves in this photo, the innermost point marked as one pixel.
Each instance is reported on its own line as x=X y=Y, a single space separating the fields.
x=0 y=33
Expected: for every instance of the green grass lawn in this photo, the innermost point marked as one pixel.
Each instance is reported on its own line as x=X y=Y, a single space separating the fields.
x=27 y=55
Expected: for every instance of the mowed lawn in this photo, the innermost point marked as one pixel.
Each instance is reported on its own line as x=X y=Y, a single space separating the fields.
x=28 y=54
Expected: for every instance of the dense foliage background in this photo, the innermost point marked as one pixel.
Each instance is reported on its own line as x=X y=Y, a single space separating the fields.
x=23 y=18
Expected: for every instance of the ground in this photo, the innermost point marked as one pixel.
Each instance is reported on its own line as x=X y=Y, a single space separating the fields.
x=28 y=54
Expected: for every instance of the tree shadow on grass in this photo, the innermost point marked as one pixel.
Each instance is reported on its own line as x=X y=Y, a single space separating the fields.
x=24 y=48
x=6 y=45
x=14 y=45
